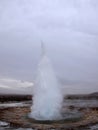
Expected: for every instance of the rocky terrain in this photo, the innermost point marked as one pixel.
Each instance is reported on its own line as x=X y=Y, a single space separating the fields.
x=15 y=113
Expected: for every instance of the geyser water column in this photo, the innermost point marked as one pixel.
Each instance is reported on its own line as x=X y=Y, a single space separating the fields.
x=47 y=96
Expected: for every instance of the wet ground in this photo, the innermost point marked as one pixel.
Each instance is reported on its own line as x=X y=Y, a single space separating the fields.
x=11 y=116
x=93 y=127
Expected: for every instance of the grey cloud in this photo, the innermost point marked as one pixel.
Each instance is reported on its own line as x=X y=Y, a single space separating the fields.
x=69 y=30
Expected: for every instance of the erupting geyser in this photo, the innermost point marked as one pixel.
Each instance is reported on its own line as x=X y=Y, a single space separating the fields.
x=47 y=97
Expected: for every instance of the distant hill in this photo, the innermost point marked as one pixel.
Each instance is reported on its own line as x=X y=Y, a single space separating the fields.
x=83 y=96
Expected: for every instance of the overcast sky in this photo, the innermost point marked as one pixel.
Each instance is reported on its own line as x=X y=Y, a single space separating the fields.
x=69 y=29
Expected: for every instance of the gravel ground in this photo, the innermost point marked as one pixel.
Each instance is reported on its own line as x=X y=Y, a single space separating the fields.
x=14 y=113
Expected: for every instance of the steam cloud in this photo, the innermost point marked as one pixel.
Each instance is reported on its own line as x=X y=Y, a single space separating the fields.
x=47 y=100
